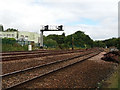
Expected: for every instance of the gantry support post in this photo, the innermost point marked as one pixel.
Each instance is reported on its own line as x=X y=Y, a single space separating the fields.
x=41 y=39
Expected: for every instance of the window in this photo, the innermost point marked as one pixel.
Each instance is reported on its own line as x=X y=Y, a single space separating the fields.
x=8 y=35
x=12 y=35
x=22 y=35
x=26 y=37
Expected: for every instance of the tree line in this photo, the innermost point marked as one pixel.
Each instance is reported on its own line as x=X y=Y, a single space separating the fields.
x=78 y=40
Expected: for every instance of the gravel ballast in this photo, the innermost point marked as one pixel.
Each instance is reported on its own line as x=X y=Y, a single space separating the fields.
x=11 y=66
x=88 y=74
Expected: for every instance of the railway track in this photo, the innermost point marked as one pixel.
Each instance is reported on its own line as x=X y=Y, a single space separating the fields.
x=12 y=66
x=11 y=80
x=38 y=51
x=19 y=56
x=20 y=53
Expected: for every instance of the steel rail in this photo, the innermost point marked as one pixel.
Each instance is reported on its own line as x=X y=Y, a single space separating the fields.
x=30 y=56
x=52 y=70
x=43 y=65
x=40 y=51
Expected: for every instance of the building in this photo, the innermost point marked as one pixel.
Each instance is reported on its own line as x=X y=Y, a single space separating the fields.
x=21 y=36
x=4 y=34
x=28 y=36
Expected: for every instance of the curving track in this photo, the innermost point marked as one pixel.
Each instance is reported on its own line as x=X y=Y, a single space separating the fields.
x=17 y=78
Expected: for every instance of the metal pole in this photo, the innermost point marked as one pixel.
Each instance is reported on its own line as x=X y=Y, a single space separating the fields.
x=41 y=39
x=72 y=43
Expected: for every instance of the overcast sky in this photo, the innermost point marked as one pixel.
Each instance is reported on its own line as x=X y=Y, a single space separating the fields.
x=97 y=18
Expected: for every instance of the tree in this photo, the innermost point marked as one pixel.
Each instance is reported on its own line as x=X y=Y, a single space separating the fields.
x=58 y=38
x=99 y=44
x=11 y=30
x=11 y=41
x=50 y=43
x=111 y=42
x=80 y=40
x=118 y=45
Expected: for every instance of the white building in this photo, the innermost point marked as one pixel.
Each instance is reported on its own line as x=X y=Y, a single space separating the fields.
x=21 y=35
x=28 y=36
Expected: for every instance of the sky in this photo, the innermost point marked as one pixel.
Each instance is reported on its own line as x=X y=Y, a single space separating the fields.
x=97 y=18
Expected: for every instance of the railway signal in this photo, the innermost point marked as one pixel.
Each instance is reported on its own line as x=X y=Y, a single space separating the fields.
x=46 y=28
x=60 y=27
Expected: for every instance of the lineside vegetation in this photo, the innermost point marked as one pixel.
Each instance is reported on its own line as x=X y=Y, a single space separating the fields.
x=77 y=40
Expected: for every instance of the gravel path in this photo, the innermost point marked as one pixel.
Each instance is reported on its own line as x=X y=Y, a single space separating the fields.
x=87 y=74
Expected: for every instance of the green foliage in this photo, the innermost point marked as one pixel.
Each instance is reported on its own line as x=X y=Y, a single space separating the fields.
x=78 y=40
x=99 y=44
x=10 y=44
x=50 y=43
x=112 y=42
x=58 y=40
x=118 y=43
x=108 y=42
x=16 y=47
x=8 y=41
x=11 y=30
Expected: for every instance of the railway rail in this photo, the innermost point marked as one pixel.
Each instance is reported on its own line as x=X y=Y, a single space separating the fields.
x=19 y=56
x=37 y=51
x=11 y=66
x=11 y=80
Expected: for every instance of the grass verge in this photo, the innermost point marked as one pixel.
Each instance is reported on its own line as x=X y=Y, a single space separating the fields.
x=113 y=82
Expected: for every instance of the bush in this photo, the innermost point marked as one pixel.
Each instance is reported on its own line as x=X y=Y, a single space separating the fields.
x=10 y=44
x=11 y=41
x=9 y=47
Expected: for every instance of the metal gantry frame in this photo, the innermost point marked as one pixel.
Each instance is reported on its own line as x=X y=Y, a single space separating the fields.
x=46 y=28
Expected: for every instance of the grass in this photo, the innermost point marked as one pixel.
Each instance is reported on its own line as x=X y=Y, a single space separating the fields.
x=114 y=80
x=15 y=47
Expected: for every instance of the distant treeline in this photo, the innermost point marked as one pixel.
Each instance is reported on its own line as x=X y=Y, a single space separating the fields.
x=78 y=40
x=10 y=30
x=108 y=42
